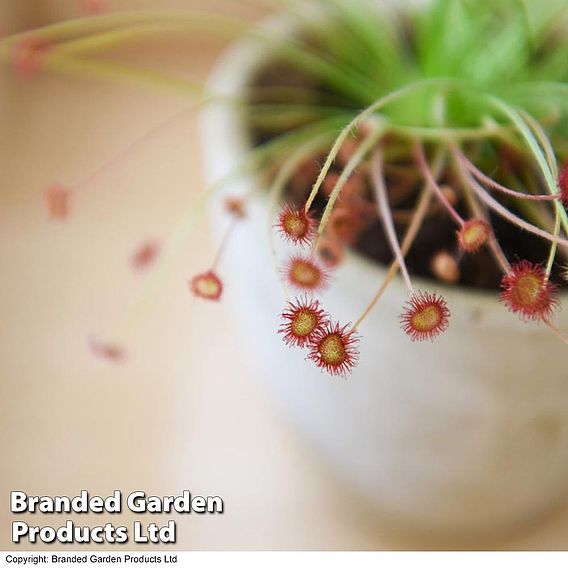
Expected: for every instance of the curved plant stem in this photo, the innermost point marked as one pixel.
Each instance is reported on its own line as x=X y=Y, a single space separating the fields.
x=140 y=24
x=505 y=213
x=459 y=133
x=562 y=336
x=70 y=29
x=362 y=151
x=285 y=173
x=224 y=242
x=284 y=116
x=410 y=236
x=281 y=146
x=553 y=246
x=543 y=140
x=525 y=131
x=123 y=74
x=377 y=175
x=433 y=185
x=496 y=249
x=408 y=240
x=362 y=116
x=187 y=222
x=129 y=148
x=494 y=246
x=494 y=185
x=551 y=159
x=107 y=39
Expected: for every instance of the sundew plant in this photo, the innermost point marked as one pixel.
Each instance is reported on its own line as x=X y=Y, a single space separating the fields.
x=382 y=120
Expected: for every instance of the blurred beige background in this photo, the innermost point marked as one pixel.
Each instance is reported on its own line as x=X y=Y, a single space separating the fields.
x=176 y=415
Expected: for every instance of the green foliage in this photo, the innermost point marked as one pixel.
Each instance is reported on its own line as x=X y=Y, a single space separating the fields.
x=511 y=49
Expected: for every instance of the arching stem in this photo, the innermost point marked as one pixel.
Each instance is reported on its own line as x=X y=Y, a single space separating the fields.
x=433 y=184
x=553 y=246
x=494 y=185
x=562 y=336
x=364 y=148
x=283 y=176
x=128 y=149
x=413 y=229
x=224 y=242
x=361 y=117
x=551 y=159
x=494 y=246
x=543 y=161
x=503 y=211
x=385 y=214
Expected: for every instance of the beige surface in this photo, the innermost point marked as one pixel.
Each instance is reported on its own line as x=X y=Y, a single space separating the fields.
x=176 y=415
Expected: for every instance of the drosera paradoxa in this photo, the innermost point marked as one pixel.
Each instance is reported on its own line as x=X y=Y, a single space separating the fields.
x=425 y=316
x=207 y=286
x=528 y=292
x=305 y=272
x=459 y=150
x=303 y=317
x=335 y=349
x=296 y=224
x=473 y=234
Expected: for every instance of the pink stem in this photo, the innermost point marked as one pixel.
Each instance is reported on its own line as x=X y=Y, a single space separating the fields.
x=223 y=245
x=562 y=336
x=506 y=214
x=499 y=255
x=480 y=211
x=123 y=153
x=421 y=158
x=493 y=184
x=384 y=210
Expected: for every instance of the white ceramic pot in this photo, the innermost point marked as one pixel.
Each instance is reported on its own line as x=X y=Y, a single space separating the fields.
x=469 y=433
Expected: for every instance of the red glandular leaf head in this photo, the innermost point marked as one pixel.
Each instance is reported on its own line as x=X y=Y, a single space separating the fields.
x=207 y=286
x=296 y=224
x=527 y=291
x=305 y=273
x=334 y=349
x=425 y=316
x=302 y=318
x=473 y=235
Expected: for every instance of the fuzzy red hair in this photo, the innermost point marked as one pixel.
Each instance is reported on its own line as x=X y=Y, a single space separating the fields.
x=296 y=224
x=207 y=286
x=563 y=184
x=334 y=349
x=473 y=235
x=306 y=273
x=527 y=291
x=302 y=318
x=425 y=316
